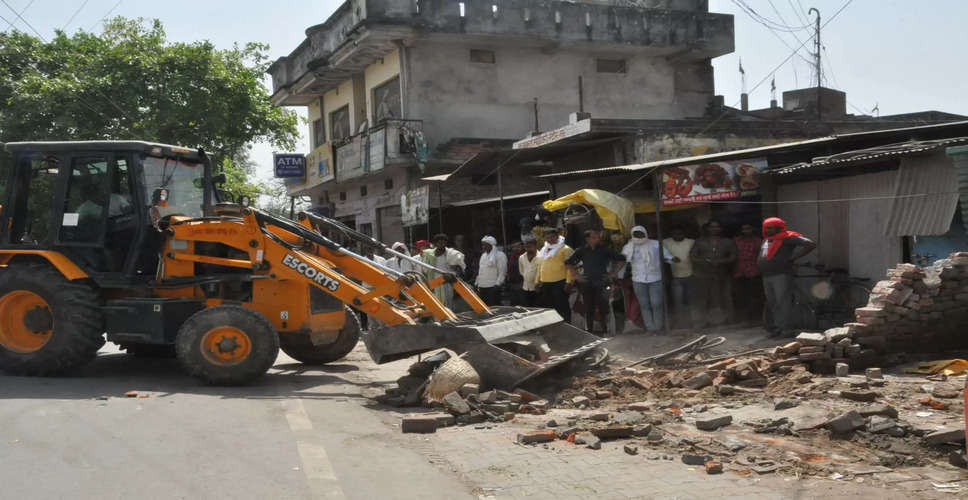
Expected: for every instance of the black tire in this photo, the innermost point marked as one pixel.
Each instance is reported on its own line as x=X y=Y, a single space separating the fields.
x=198 y=361
x=77 y=324
x=161 y=351
x=299 y=347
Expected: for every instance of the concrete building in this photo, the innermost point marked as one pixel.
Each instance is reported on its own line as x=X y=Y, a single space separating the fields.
x=400 y=89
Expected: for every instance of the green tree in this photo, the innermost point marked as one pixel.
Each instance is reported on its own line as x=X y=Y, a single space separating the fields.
x=130 y=82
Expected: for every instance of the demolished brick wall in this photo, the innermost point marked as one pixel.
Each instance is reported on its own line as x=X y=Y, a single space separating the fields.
x=914 y=309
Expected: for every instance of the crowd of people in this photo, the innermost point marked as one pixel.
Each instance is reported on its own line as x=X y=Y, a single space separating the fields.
x=712 y=280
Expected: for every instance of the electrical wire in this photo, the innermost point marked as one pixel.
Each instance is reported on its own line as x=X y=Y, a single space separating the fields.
x=24 y=20
x=74 y=15
x=767 y=21
x=724 y=113
x=10 y=24
x=105 y=16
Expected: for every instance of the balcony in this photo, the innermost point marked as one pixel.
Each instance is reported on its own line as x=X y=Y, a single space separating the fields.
x=362 y=31
x=391 y=143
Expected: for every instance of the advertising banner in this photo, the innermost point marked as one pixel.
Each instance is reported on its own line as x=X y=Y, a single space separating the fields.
x=415 y=206
x=724 y=180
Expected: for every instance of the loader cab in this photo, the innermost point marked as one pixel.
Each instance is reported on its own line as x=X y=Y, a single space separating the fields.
x=93 y=202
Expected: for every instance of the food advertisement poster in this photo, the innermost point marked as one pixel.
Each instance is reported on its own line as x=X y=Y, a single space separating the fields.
x=723 y=180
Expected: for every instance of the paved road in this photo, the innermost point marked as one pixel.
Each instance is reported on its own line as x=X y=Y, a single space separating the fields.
x=300 y=433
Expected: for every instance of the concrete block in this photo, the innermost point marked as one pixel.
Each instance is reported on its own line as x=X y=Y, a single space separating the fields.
x=713 y=423
x=589 y=440
x=640 y=406
x=835 y=335
x=468 y=389
x=879 y=409
x=874 y=373
x=948 y=435
x=811 y=339
x=698 y=382
x=859 y=396
x=456 y=404
x=580 y=401
x=845 y=423
x=842 y=369
x=613 y=432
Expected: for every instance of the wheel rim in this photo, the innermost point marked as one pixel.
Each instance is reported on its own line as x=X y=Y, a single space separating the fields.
x=226 y=345
x=26 y=322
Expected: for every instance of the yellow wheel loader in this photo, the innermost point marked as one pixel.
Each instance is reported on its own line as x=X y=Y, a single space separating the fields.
x=130 y=242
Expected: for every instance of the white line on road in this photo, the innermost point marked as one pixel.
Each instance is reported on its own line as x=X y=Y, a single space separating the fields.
x=319 y=471
x=296 y=415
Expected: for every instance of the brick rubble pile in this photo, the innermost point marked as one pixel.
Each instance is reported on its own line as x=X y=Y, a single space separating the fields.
x=915 y=308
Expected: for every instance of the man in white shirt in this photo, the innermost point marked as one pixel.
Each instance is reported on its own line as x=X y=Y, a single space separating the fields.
x=643 y=255
x=683 y=284
x=399 y=264
x=447 y=259
x=491 y=272
x=528 y=267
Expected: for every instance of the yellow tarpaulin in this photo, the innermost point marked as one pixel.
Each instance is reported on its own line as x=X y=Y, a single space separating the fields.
x=949 y=367
x=617 y=213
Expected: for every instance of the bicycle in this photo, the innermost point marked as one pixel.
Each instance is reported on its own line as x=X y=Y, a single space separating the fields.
x=830 y=300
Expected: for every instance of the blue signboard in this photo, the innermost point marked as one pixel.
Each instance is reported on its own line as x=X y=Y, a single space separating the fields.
x=287 y=165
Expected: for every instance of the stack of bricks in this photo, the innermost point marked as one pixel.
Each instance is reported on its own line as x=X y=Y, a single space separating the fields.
x=914 y=310
x=919 y=308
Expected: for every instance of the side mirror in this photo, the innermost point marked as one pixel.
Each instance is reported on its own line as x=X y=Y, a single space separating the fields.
x=245 y=201
x=218 y=179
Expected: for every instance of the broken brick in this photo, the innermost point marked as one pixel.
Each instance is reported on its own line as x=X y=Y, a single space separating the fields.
x=859 y=396
x=537 y=437
x=714 y=467
x=711 y=424
x=424 y=424
x=456 y=404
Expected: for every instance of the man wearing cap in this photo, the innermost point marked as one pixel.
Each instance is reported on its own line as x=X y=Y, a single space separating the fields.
x=492 y=270
x=552 y=274
x=595 y=259
x=777 y=263
x=643 y=256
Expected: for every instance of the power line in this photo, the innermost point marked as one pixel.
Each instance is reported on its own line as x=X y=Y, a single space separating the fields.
x=76 y=12
x=24 y=20
x=105 y=16
x=10 y=24
x=772 y=72
x=802 y=18
x=767 y=21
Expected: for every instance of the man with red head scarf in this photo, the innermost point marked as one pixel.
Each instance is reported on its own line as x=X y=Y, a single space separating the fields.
x=777 y=263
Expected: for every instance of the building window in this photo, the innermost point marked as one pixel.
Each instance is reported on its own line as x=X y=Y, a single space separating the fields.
x=387 y=183
x=319 y=133
x=362 y=190
x=482 y=56
x=611 y=65
x=339 y=124
x=386 y=101
x=342 y=196
x=367 y=229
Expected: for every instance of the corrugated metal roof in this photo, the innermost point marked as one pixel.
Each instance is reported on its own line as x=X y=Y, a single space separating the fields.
x=871 y=154
x=763 y=150
x=925 y=197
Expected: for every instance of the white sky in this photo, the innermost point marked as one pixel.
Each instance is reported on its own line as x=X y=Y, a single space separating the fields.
x=903 y=55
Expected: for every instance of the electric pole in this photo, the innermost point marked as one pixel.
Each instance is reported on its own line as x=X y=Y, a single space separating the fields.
x=817 y=34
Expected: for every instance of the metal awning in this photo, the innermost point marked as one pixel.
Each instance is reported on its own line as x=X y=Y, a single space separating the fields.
x=872 y=154
x=481 y=201
x=487 y=162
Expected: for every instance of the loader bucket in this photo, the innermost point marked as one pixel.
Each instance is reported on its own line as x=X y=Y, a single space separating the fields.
x=507 y=347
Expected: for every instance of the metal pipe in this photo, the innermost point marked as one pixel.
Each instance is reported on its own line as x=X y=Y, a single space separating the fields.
x=656 y=183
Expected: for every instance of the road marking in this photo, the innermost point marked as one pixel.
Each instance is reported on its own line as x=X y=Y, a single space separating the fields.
x=319 y=471
x=296 y=415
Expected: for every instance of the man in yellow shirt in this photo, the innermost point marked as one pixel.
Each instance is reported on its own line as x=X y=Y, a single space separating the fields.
x=552 y=274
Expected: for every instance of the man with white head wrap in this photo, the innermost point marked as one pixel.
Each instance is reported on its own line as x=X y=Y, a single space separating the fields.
x=400 y=264
x=642 y=255
x=492 y=271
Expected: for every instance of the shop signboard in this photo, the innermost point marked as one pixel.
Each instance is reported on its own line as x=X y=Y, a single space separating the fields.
x=723 y=180
x=415 y=206
x=289 y=165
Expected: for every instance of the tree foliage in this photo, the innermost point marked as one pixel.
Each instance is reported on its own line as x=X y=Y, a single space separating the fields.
x=130 y=82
